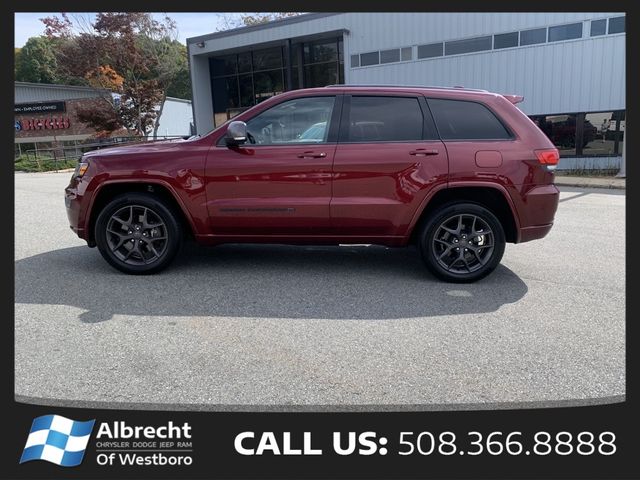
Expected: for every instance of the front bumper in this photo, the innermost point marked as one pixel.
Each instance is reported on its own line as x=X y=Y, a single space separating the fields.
x=74 y=201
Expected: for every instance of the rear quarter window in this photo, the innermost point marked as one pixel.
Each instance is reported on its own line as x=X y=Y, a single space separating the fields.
x=464 y=120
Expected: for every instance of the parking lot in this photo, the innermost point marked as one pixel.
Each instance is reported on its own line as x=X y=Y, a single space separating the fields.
x=279 y=327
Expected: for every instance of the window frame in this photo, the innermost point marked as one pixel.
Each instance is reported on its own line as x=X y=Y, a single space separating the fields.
x=334 y=124
x=512 y=136
x=427 y=119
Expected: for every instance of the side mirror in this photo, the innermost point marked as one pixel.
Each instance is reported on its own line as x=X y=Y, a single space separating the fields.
x=236 y=133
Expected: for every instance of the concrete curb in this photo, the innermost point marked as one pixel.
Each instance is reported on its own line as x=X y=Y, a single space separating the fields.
x=591 y=182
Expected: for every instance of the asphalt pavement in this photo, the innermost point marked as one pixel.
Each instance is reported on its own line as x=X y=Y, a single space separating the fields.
x=257 y=327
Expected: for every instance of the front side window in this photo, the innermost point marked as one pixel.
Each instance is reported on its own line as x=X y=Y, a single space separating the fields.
x=302 y=120
x=384 y=119
x=462 y=120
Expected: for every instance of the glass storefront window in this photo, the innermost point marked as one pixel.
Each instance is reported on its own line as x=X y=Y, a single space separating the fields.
x=224 y=65
x=321 y=74
x=561 y=130
x=244 y=62
x=246 y=90
x=599 y=134
x=244 y=79
x=225 y=94
x=267 y=59
x=267 y=84
x=589 y=134
x=321 y=52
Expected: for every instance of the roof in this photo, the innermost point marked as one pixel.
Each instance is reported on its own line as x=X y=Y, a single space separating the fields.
x=274 y=23
x=55 y=86
x=385 y=86
x=175 y=99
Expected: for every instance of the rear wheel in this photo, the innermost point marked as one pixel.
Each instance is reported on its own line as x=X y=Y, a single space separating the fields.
x=137 y=233
x=462 y=242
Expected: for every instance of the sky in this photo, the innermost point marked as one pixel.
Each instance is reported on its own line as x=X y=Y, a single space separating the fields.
x=189 y=24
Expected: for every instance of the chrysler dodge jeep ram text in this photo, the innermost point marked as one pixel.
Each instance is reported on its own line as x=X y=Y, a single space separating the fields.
x=458 y=172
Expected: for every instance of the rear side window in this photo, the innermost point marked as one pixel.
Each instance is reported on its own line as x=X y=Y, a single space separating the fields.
x=384 y=119
x=462 y=120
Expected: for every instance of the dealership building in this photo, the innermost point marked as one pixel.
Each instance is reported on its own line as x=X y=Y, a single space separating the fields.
x=45 y=116
x=570 y=67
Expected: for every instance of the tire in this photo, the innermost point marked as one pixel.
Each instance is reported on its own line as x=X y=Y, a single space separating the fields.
x=449 y=249
x=138 y=234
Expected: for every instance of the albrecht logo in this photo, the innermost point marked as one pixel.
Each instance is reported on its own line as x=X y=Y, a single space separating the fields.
x=57 y=440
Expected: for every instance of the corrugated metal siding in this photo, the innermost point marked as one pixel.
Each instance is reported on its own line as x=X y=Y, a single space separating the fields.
x=585 y=74
x=563 y=77
x=44 y=93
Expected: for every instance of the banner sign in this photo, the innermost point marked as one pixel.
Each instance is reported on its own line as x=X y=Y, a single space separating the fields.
x=46 y=107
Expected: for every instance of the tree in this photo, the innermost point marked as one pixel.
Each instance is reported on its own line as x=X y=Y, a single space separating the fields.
x=36 y=61
x=125 y=52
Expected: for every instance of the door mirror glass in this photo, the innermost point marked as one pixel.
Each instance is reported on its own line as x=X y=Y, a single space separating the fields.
x=236 y=133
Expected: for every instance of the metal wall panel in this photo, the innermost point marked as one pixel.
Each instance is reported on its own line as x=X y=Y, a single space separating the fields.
x=43 y=93
x=586 y=74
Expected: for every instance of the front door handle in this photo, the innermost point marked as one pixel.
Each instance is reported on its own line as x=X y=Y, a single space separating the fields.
x=423 y=152
x=312 y=155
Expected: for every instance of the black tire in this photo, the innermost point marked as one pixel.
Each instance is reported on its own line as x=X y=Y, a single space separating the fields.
x=138 y=234
x=456 y=248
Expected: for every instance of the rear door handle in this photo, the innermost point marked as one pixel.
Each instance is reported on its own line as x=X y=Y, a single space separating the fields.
x=312 y=155
x=423 y=152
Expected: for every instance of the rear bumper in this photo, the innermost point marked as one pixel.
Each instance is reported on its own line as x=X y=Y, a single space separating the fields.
x=533 y=233
x=537 y=209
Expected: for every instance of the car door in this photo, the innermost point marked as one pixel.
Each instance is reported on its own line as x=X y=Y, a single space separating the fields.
x=279 y=181
x=388 y=158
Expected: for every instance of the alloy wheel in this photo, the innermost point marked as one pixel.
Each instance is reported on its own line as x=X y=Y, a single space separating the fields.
x=463 y=243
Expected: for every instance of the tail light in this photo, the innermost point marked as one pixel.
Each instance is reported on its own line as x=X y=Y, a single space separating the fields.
x=548 y=157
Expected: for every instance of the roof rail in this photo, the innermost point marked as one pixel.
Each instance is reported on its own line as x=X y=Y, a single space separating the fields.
x=407 y=86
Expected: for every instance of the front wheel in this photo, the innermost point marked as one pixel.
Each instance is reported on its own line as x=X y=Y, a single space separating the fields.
x=137 y=233
x=462 y=242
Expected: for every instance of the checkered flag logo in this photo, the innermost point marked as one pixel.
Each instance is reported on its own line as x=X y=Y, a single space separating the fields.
x=57 y=440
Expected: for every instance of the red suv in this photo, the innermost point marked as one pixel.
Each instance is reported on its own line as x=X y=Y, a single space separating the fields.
x=458 y=172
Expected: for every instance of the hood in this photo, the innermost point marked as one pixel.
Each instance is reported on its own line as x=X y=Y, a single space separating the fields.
x=135 y=148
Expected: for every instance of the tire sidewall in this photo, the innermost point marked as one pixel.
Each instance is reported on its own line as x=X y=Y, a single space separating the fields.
x=442 y=214
x=167 y=215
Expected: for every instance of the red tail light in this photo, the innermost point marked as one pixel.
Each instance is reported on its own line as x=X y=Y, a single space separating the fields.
x=548 y=157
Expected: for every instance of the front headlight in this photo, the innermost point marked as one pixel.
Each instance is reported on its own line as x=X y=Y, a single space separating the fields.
x=81 y=168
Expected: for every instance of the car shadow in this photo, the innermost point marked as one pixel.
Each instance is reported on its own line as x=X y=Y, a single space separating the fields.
x=264 y=281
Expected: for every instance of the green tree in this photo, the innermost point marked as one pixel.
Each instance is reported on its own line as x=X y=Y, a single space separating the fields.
x=36 y=61
x=180 y=84
x=129 y=45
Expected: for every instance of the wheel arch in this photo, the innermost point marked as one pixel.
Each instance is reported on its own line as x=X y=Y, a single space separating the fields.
x=490 y=196
x=161 y=190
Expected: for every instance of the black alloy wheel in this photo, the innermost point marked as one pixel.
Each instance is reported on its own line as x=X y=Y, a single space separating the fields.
x=462 y=242
x=137 y=233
